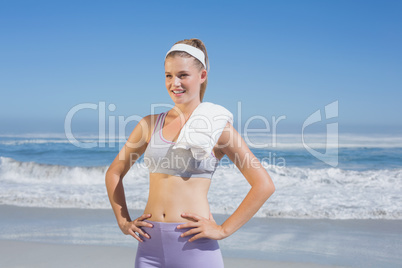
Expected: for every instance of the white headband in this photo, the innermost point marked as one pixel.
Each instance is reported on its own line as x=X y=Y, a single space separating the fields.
x=193 y=51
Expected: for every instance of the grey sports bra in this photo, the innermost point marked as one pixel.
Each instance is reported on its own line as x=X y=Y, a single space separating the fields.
x=160 y=157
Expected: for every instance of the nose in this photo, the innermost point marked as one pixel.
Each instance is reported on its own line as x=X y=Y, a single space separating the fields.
x=176 y=81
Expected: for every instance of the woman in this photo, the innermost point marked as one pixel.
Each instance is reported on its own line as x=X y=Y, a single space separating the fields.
x=177 y=228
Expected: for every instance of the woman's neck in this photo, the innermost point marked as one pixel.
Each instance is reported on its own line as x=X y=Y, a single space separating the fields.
x=185 y=109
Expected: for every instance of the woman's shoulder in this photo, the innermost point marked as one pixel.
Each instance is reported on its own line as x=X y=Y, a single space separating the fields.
x=148 y=122
x=142 y=131
x=150 y=119
x=230 y=138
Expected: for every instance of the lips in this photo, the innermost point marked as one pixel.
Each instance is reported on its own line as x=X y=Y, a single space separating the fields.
x=178 y=92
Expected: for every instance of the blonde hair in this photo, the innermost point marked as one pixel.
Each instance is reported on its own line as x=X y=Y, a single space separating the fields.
x=200 y=45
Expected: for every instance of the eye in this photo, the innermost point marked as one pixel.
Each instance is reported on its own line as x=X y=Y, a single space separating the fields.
x=168 y=76
x=183 y=75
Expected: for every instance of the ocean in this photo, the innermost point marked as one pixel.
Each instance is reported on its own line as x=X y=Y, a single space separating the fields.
x=50 y=171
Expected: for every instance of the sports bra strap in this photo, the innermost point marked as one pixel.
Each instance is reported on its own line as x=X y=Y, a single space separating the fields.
x=156 y=127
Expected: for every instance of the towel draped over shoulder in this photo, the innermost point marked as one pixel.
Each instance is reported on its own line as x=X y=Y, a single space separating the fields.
x=202 y=130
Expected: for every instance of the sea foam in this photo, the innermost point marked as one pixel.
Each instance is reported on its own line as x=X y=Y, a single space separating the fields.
x=301 y=192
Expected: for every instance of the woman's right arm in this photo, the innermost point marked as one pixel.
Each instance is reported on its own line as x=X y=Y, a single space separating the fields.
x=128 y=155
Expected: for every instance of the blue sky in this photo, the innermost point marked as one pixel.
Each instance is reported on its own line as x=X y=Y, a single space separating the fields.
x=278 y=58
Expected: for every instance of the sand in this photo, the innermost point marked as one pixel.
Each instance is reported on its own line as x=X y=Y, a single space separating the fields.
x=43 y=237
x=46 y=255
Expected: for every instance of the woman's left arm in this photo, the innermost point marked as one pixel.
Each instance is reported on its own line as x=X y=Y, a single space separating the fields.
x=262 y=187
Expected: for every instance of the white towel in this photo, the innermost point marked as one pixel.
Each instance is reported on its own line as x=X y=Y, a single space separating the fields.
x=202 y=130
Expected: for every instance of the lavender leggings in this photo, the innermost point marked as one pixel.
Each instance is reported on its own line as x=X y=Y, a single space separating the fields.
x=167 y=249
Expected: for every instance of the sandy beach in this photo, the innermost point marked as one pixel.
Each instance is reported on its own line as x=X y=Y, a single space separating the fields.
x=41 y=237
x=31 y=254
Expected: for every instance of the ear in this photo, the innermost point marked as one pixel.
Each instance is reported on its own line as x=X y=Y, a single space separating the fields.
x=204 y=75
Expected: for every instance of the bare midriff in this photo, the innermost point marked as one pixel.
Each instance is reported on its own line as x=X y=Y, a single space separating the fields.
x=170 y=196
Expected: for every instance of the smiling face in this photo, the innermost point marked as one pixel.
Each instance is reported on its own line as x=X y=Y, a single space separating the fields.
x=183 y=79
